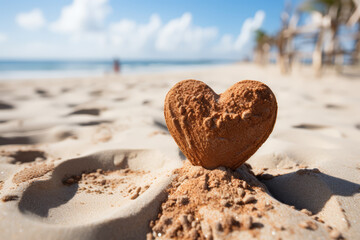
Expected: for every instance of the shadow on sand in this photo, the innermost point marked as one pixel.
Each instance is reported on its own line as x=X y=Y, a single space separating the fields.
x=309 y=189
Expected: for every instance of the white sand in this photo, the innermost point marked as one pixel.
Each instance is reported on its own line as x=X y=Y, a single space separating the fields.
x=117 y=122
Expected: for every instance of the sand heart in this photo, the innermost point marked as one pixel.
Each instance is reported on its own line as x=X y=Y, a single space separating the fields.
x=220 y=130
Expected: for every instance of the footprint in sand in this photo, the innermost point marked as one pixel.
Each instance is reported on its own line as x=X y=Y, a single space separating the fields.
x=94 y=123
x=16 y=140
x=5 y=106
x=65 y=90
x=96 y=93
x=310 y=126
x=87 y=111
x=334 y=106
x=120 y=99
x=42 y=93
x=111 y=192
x=146 y=102
x=25 y=156
x=72 y=105
x=48 y=136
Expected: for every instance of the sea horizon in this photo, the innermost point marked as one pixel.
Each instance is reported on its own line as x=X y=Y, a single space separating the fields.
x=62 y=68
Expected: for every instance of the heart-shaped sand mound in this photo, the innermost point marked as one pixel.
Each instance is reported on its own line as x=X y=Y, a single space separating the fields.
x=220 y=130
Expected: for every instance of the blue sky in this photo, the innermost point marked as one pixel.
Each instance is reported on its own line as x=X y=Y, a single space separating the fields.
x=101 y=29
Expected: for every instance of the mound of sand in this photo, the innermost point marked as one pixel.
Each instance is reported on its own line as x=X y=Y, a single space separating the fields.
x=226 y=204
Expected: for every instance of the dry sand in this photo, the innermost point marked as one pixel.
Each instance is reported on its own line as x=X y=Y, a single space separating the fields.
x=92 y=159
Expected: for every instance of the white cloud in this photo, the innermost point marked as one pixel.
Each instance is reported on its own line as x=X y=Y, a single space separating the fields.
x=84 y=25
x=180 y=34
x=130 y=36
x=226 y=43
x=82 y=16
x=177 y=36
x=3 y=37
x=32 y=20
x=245 y=37
x=248 y=28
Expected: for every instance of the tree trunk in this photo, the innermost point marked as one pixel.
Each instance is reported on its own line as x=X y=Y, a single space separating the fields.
x=317 y=54
x=356 y=52
x=333 y=45
x=266 y=49
x=281 y=57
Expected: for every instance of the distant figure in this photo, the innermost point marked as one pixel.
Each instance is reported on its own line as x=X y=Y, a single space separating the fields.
x=116 y=66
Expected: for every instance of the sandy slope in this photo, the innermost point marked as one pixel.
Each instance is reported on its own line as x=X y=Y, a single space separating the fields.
x=91 y=158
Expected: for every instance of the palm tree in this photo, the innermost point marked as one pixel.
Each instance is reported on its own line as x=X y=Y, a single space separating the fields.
x=337 y=12
x=281 y=45
x=355 y=19
x=356 y=51
x=284 y=39
x=262 y=48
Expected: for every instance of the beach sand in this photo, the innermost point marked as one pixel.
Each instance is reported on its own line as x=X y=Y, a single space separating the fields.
x=92 y=159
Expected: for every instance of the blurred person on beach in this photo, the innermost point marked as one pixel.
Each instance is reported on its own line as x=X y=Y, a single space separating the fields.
x=116 y=66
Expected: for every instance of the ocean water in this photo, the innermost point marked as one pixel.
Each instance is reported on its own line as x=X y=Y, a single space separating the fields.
x=35 y=69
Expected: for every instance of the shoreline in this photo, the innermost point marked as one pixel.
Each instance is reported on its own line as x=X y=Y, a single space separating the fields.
x=298 y=72
x=51 y=74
